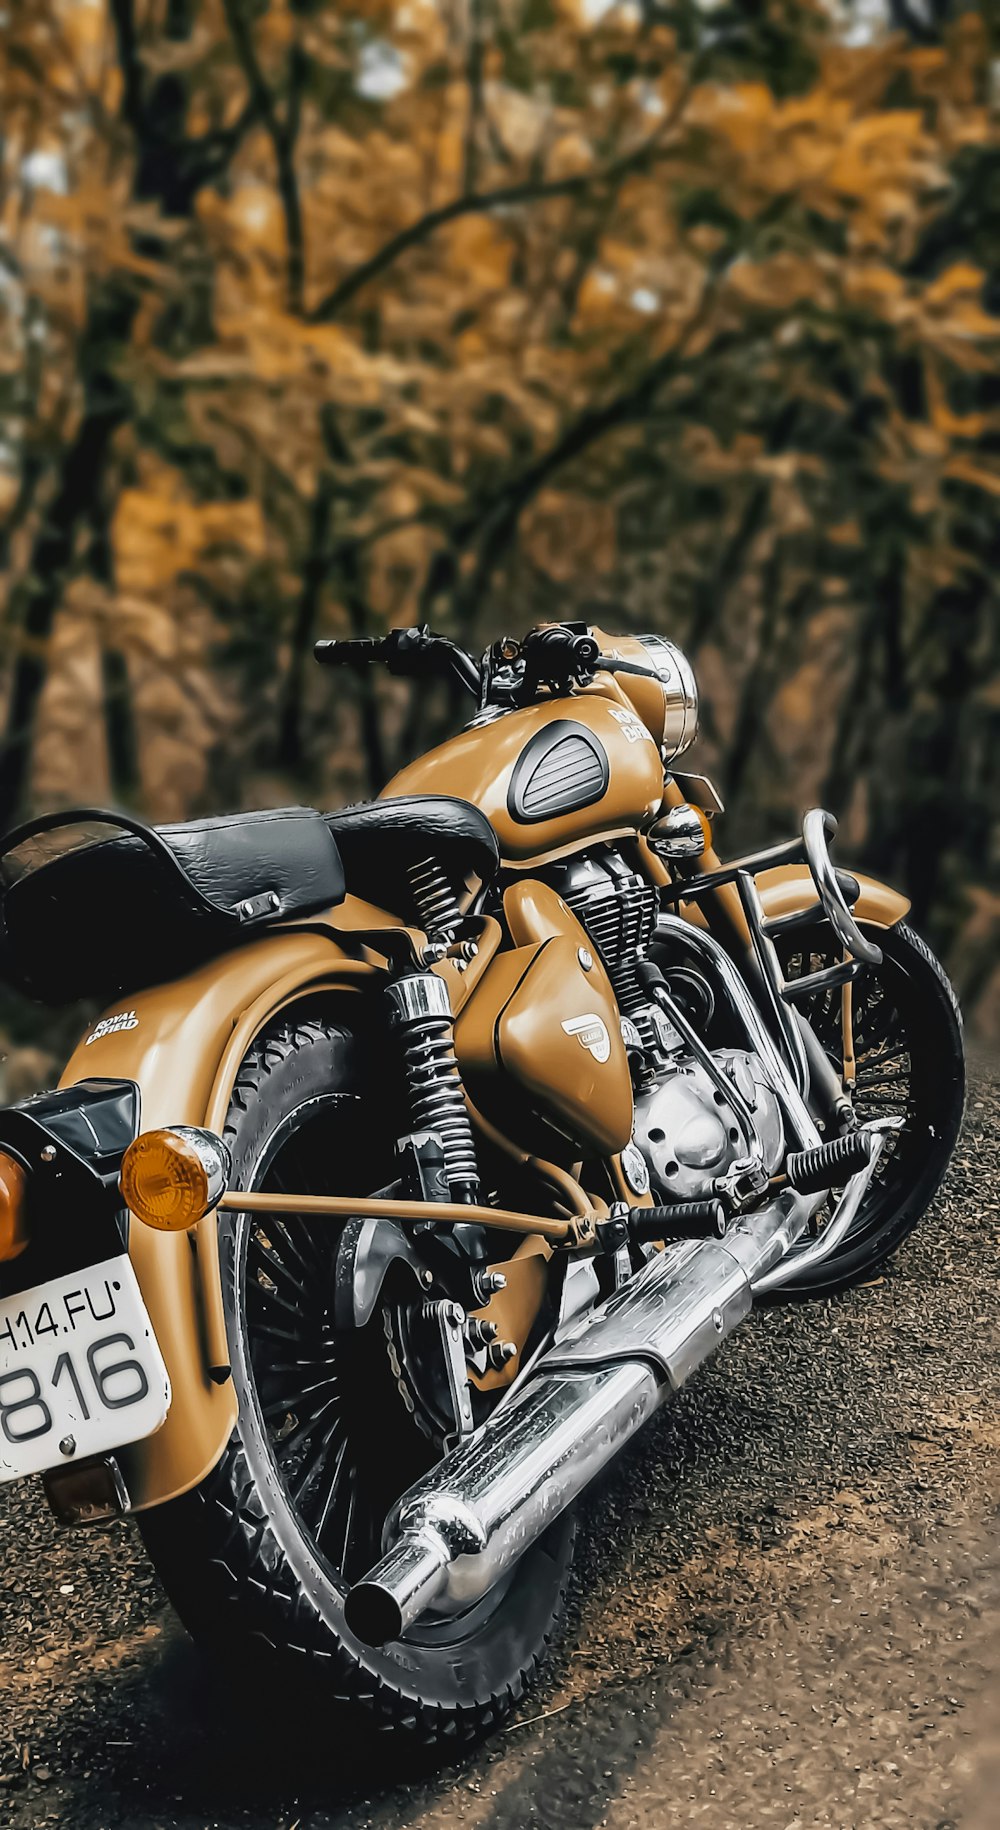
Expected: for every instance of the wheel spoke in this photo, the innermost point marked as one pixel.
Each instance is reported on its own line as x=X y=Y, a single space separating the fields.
x=296 y=1241
x=318 y=1456
x=275 y=1267
x=272 y=1300
x=342 y=1437
x=293 y=1402
x=310 y=1421
x=351 y=1500
x=331 y=1485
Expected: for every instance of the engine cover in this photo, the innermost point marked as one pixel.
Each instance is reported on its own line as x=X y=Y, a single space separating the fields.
x=688 y=1134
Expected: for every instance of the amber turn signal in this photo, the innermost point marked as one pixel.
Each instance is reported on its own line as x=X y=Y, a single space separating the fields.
x=170 y=1179
x=13 y=1207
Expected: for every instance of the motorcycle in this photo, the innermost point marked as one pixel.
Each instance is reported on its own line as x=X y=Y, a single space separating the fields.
x=423 y=1149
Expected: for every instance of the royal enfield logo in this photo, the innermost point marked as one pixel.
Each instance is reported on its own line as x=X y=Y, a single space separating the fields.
x=109 y=1026
x=591 y=1034
x=632 y=727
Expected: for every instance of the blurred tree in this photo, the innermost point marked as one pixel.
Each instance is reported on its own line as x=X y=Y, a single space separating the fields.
x=320 y=318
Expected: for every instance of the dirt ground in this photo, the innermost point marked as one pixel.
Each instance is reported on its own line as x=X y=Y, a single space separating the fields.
x=786 y=1611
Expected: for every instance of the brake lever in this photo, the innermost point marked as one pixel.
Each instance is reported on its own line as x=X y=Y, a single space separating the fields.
x=609 y=665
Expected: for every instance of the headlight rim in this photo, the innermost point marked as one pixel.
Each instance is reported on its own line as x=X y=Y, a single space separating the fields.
x=680 y=694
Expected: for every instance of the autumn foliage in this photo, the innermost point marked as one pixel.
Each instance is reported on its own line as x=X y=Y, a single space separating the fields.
x=318 y=318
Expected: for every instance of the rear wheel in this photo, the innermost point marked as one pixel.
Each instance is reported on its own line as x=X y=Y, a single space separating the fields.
x=910 y=1060
x=334 y=1425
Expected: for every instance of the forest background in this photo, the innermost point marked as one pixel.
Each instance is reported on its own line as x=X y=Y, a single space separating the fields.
x=320 y=317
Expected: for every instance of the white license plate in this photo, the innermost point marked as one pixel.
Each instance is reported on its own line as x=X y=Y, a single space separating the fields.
x=80 y=1370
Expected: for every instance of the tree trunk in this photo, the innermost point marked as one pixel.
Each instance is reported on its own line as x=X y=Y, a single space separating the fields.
x=76 y=502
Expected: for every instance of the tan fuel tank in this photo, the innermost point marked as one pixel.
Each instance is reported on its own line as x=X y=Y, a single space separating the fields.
x=549 y=777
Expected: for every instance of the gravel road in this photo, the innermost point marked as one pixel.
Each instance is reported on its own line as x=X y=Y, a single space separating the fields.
x=785 y=1614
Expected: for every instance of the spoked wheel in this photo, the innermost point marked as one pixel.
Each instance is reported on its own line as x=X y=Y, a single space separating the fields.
x=910 y=1060
x=334 y=1425
x=320 y=1389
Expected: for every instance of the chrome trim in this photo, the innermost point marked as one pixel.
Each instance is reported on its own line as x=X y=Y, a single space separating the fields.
x=678 y=833
x=680 y=694
x=698 y=940
x=687 y=1298
x=843 y=1218
x=418 y=995
x=772 y=978
x=214 y=1155
x=87 y=1492
x=457 y=1532
x=711 y=1065
x=817 y=827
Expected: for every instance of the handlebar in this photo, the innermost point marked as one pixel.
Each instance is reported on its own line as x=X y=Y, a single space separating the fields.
x=559 y=657
x=413 y=653
x=359 y=652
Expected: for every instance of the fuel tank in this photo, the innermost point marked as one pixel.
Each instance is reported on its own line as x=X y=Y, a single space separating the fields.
x=550 y=777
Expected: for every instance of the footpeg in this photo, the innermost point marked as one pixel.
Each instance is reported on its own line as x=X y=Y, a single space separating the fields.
x=684 y=1220
x=831 y=1165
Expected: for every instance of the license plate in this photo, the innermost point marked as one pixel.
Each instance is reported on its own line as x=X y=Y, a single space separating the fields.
x=80 y=1370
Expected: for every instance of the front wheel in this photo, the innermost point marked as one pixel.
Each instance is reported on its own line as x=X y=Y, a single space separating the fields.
x=334 y=1425
x=910 y=1059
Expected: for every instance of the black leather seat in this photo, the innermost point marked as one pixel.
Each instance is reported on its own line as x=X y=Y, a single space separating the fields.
x=86 y=915
x=380 y=840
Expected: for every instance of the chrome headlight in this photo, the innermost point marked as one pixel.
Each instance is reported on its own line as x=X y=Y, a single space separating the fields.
x=680 y=694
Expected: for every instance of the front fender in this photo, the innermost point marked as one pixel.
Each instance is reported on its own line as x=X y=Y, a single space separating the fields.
x=182 y=1044
x=789 y=887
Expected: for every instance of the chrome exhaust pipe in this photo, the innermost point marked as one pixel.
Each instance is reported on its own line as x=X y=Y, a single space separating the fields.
x=457 y=1532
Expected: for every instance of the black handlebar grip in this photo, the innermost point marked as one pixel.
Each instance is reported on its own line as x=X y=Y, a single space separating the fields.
x=359 y=652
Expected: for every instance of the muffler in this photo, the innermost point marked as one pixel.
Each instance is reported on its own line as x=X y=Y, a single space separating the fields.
x=457 y=1532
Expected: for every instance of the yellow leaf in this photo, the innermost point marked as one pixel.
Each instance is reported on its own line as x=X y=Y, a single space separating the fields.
x=965 y=471
x=962 y=277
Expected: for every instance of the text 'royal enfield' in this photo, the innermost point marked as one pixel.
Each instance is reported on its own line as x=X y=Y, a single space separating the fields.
x=424 y=1149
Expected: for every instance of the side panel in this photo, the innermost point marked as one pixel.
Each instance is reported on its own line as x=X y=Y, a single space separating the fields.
x=560 y=1036
x=183 y=1045
x=539 y=1042
x=500 y=769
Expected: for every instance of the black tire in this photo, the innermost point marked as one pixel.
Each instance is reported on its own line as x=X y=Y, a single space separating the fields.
x=237 y=1555
x=910 y=1059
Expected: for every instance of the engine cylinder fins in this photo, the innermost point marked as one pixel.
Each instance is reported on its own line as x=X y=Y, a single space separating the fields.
x=434 y=899
x=421 y=1012
x=829 y=1165
x=618 y=909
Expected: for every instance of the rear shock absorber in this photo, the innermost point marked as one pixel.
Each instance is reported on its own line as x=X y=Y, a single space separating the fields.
x=435 y=899
x=421 y=1015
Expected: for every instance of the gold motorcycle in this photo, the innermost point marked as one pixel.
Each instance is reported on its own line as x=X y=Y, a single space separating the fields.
x=423 y=1149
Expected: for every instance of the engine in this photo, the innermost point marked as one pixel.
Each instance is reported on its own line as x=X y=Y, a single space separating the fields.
x=618 y=909
x=698 y=1133
x=695 y=1140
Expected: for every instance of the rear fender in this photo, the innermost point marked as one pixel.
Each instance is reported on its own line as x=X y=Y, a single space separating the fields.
x=182 y=1045
x=789 y=887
